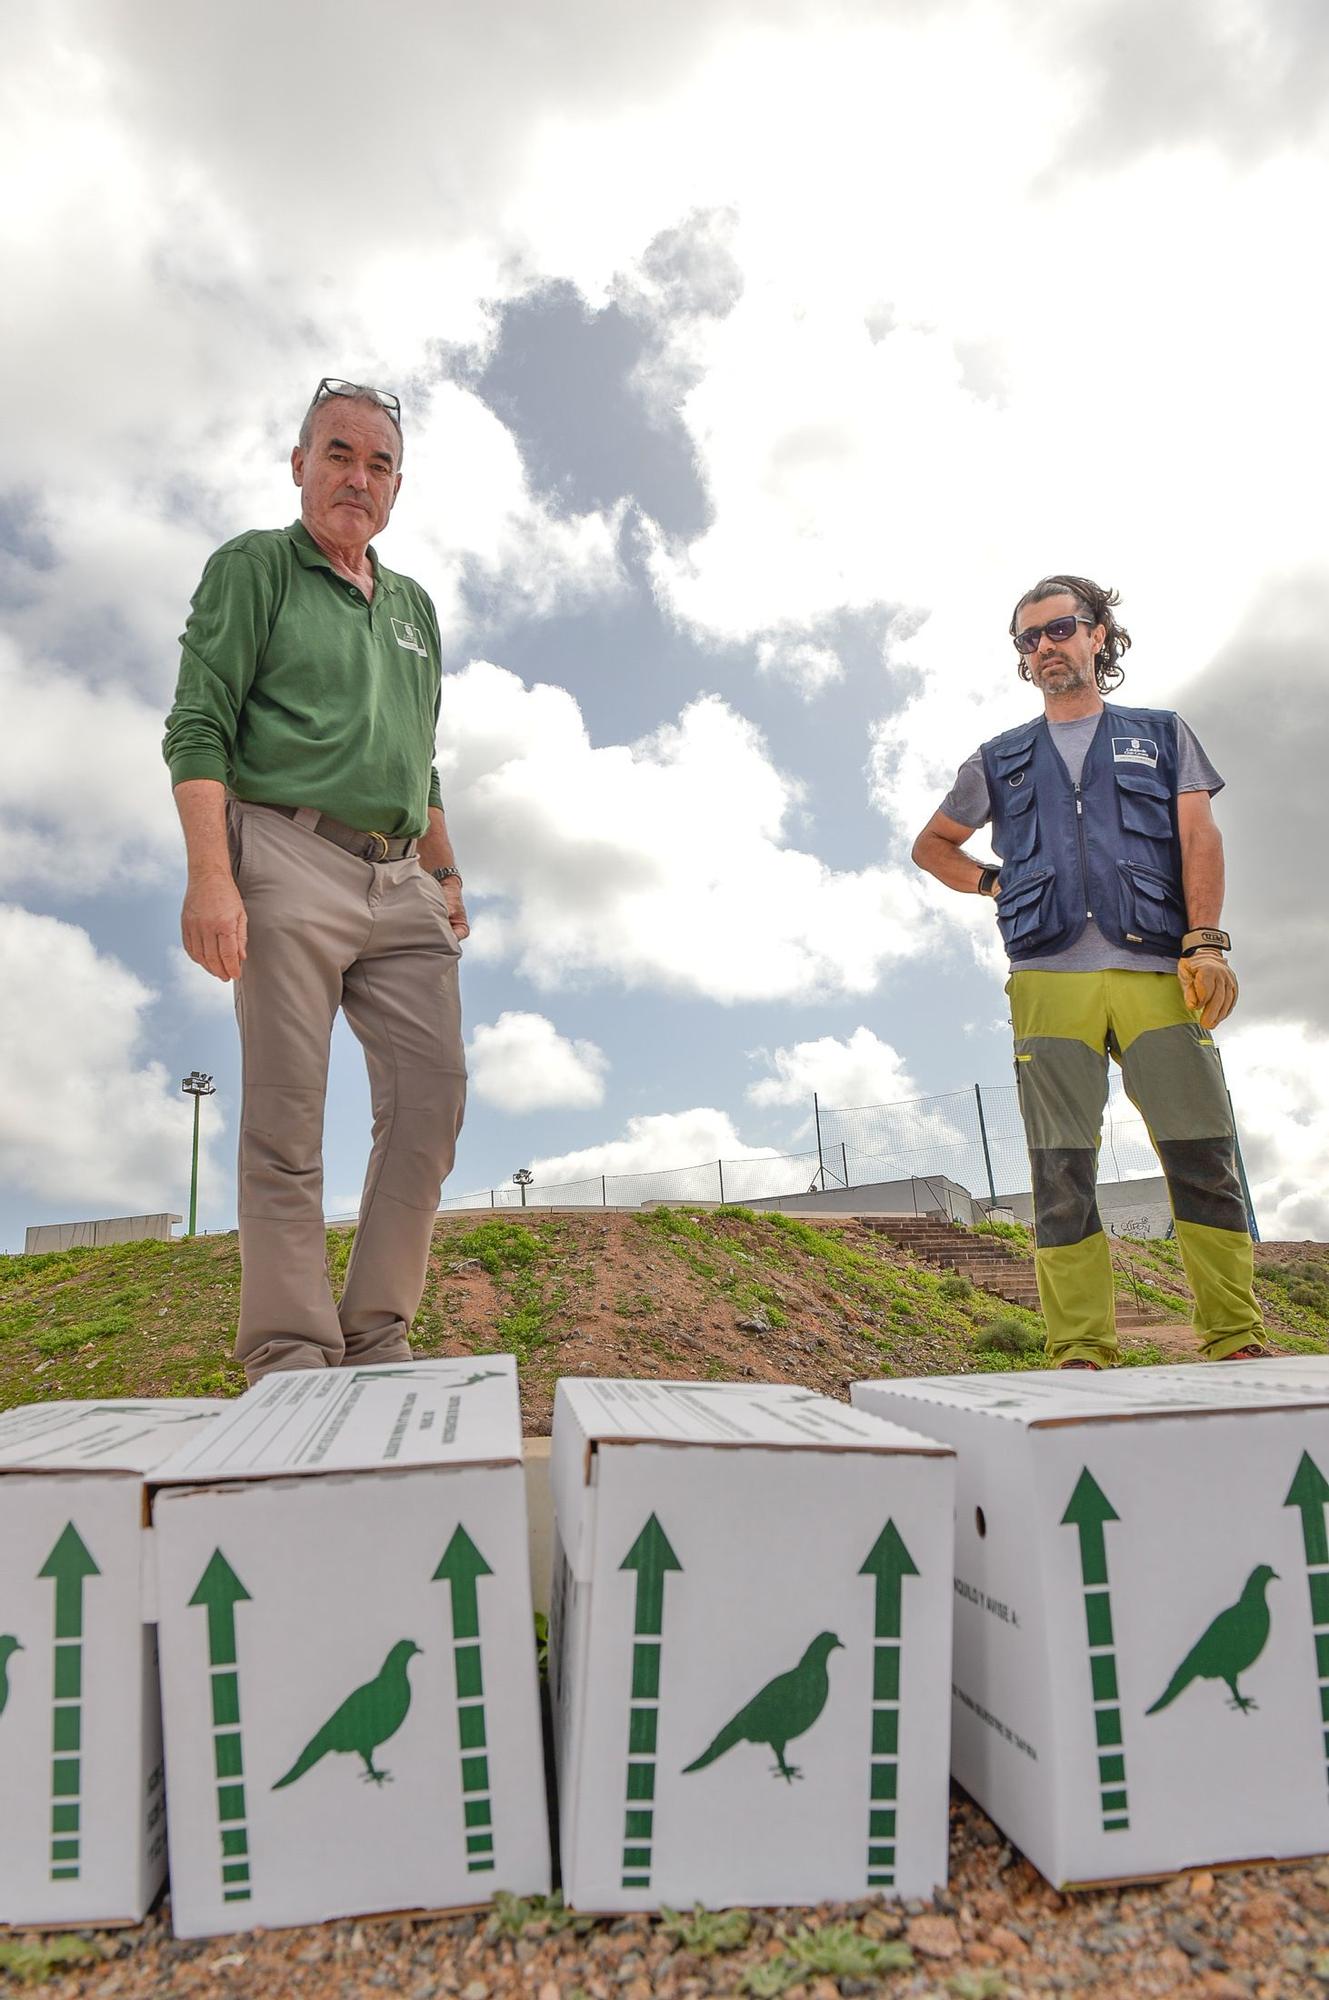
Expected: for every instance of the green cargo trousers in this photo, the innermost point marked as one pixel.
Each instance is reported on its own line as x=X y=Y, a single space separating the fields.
x=1066 y=1026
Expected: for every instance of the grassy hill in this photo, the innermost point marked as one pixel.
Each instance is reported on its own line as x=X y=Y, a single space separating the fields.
x=718 y=1293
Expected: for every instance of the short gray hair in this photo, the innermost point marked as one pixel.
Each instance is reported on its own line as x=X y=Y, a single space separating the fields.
x=362 y=396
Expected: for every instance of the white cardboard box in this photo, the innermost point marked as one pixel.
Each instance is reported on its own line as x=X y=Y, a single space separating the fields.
x=82 y=1828
x=750 y=1647
x=348 y=1656
x=1122 y=1541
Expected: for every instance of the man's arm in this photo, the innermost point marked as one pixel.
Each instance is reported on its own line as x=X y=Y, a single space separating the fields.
x=213 y=925
x=1201 y=860
x=1208 y=983
x=939 y=851
x=435 y=851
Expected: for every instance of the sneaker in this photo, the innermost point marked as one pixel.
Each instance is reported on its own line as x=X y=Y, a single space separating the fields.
x=1253 y=1352
x=1097 y=1366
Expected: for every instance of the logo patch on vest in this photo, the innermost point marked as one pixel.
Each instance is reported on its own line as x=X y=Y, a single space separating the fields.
x=1127 y=749
x=411 y=637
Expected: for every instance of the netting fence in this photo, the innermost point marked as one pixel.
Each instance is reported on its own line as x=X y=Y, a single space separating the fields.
x=973 y=1137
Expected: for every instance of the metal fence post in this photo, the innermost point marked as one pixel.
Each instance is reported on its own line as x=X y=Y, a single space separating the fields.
x=844 y=1162
x=719 y=1168
x=821 y=1164
x=983 y=1135
x=492 y=1201
x=604 y=1192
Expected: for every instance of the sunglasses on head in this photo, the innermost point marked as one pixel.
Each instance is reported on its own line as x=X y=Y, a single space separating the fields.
x=1057 y=629
x=331 y=386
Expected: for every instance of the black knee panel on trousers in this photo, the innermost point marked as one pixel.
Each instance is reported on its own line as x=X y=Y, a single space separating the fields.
x=1202 y=1182
x=1065 y=1208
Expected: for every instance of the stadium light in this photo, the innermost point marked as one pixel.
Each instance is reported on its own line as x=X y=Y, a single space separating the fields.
x=195 y=1085
x=523 y=1177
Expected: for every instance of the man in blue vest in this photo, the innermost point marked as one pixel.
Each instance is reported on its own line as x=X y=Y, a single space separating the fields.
x=1108 y=898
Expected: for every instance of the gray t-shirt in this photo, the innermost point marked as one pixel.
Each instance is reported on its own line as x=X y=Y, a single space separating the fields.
x=969 y=802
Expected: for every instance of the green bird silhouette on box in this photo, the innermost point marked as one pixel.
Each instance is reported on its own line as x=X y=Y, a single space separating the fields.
x=365 y=1719
x=1229 y=1646
x=9 y=1645
x=785 y=1708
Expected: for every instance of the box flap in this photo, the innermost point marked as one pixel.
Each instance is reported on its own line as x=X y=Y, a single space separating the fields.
x=403 y=1413
x=722 y=1413
x=107 y=1436
x=1032 y=1399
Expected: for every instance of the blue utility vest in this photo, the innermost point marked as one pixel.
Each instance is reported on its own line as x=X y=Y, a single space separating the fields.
x=1107 y=848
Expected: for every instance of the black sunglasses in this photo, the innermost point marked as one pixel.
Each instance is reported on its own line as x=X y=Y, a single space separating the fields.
x=331 y=386
x=1056 y=628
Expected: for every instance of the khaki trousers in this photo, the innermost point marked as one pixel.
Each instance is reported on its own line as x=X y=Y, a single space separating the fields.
x=328 y=930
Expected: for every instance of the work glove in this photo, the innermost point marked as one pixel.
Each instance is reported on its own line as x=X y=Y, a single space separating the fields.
x=1208 y=986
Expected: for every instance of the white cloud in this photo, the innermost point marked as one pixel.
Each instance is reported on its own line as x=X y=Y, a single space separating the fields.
x=811 y=668
x=85 y=798
x=693 y=1155
x=197 y=988
x=860 y=1070
x=1278 y=1074
x=86 y=1119
x=662 y=862
x=654 y=1142
x=521 y=1063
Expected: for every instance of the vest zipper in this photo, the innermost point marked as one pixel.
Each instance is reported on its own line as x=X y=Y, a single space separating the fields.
x=1084 y=857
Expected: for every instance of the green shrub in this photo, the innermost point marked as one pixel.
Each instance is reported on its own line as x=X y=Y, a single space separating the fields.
x=955 y=1286
x=1007 y=1335
x=1315 y=1297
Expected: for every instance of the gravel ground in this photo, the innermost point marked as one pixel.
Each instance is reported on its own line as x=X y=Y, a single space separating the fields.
x=998 y=1933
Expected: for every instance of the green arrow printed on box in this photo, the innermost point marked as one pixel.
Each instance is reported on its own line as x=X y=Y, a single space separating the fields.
x=461 y=1568
x=652 y=1557
x=1088 y=1512
x=219 y=1590
x=68 y=1566
x=1309 y=1494
x=888 y=1563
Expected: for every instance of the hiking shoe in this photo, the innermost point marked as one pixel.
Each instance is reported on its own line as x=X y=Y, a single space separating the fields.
x=1253 y=1352
x=1097 y=1366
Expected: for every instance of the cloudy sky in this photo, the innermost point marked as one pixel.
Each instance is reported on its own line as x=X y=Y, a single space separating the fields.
x=755 y=355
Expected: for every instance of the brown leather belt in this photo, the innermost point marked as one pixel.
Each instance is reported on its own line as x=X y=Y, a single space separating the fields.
x=355 y=840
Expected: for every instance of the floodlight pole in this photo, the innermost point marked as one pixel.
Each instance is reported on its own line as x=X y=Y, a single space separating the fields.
x=195 y=1085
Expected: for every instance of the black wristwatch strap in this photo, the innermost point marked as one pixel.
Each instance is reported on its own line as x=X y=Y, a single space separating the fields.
x=1205 y=940
x=987 y=881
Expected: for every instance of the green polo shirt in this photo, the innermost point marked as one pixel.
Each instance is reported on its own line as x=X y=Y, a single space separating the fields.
x=294 y=691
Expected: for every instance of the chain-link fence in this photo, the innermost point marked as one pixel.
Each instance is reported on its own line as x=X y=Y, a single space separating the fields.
x=972 y=1137
x=750 y=1179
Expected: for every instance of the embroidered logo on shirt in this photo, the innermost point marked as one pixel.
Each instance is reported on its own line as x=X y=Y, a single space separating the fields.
x=1134 y=750
x=411 y=637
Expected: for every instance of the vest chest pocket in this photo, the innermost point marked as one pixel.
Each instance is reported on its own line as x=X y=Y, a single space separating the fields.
x=1151 y=908
x=1020 y=908
x=1019 y=825
x=1145 y=803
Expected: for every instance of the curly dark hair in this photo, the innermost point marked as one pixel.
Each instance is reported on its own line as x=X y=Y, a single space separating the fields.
x=1095 y=603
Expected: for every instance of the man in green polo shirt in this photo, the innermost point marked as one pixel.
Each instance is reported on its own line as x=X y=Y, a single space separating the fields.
x=321 y=875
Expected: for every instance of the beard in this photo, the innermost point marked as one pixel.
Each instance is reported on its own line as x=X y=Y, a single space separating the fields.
x=1066 y=675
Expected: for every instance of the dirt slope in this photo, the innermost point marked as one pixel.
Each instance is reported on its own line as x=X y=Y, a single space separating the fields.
x=710 y=1293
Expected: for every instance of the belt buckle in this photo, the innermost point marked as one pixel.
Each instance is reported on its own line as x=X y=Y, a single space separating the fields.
x=384 y=844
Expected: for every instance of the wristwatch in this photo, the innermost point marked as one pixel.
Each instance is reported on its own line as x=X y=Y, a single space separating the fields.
x=1204 y=940
x=987 y=881
x=442 y=875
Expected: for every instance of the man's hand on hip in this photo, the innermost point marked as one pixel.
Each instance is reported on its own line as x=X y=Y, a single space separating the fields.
x=457 y=917
x=1208 y=986
x=213 y=925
